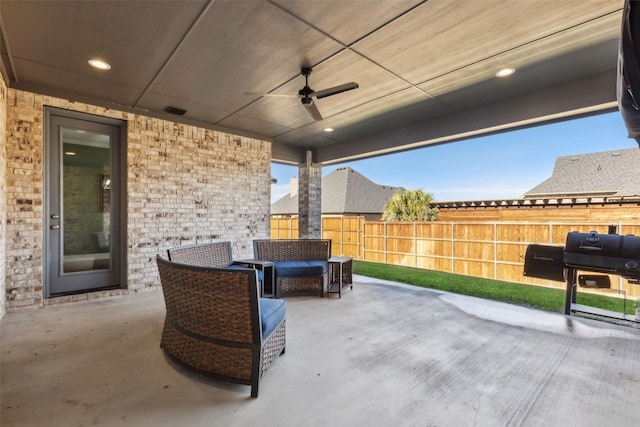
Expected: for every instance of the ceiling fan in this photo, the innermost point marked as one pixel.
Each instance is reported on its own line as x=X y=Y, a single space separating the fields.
x=306 y=94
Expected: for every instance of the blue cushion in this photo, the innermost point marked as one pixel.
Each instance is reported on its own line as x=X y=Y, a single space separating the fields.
x=272 y=311
x=300 y=268
x=235 y=267
x=323 y=264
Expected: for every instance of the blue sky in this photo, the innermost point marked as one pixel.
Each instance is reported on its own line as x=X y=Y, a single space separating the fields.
x=504 y=165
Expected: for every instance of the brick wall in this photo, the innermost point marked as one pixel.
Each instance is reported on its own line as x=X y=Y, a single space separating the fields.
x=185 y=185
x=3 y=200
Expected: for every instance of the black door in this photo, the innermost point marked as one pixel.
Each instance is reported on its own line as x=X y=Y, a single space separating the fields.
x=83 y=219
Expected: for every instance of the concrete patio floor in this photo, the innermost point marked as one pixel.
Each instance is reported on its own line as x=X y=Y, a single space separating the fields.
x=384 y=355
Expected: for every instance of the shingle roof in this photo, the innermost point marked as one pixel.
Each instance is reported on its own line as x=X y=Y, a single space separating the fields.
x=344 y=191
x=286 y=205
x=608 y=173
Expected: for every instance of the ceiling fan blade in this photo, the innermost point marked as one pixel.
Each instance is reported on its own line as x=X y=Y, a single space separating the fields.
x=335 y=90
x=284 y=95
x=313 y=110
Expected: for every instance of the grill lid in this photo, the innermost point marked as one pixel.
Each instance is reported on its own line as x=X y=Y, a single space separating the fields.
x=609 y=253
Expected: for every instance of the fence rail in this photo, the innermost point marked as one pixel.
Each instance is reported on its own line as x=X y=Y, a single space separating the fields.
x=493 y=250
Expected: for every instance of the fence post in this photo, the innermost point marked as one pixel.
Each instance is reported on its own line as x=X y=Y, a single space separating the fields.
x=384 y=240
x=453 y=241
x=415 y=244
x=495 y=250
x=341 y=235
x=361 y=241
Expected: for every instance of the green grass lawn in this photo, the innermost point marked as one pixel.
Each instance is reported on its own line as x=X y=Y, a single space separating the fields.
x=514 y=293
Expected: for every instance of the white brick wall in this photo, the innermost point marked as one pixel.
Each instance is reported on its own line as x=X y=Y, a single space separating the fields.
x=3 y=200
x=185 y=185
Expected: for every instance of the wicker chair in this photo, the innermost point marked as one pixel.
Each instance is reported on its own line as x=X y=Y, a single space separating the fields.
x=217 y=254
x=217 y=325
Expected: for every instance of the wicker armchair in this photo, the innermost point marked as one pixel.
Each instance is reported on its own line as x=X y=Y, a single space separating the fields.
x=217 y=254
x=217 y=325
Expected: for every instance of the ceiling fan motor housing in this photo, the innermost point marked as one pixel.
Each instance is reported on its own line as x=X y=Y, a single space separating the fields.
x=305 y=91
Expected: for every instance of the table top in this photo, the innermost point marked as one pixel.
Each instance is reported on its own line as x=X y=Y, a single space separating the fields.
x=254 y=261
x=340 y=259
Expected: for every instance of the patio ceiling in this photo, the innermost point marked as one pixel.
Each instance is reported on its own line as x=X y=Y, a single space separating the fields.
x=426 y=69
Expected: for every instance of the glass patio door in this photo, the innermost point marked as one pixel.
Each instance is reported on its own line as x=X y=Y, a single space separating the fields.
x=82 y=222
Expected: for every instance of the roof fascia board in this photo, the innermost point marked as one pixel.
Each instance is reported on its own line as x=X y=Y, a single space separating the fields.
x=588 y=95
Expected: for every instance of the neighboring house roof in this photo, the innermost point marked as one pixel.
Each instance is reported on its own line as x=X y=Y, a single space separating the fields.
x=344 y=191
x=604 y=174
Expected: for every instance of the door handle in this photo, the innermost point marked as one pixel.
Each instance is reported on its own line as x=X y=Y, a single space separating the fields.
x=54 y=227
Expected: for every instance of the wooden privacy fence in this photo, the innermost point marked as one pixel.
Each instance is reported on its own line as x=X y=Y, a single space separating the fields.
x=345 y=232
x=493 y=250
x=285 y=227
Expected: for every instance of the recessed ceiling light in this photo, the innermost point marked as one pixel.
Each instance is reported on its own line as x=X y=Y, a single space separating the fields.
x=505 y=72
x=328 y=129
x=69 y=153
x=99 y=64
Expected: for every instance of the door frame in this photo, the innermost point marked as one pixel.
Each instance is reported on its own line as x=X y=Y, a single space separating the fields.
x=120 y=204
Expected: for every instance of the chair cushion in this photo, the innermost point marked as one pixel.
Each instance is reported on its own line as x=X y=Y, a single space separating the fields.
x=300 y=268
x=235 y=267
x=272 y=311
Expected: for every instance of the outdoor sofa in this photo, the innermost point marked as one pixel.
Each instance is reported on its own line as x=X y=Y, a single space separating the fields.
x=300 y=265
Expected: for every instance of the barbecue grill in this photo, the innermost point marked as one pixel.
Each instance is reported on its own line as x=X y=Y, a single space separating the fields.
x=591 y=252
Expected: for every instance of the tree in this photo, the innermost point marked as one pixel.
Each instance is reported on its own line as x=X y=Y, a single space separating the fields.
x=410 y=205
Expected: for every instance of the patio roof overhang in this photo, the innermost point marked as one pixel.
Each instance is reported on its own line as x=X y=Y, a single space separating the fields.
x=425 y=69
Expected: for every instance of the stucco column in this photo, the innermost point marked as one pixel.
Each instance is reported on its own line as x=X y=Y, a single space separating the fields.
x=309 y=199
